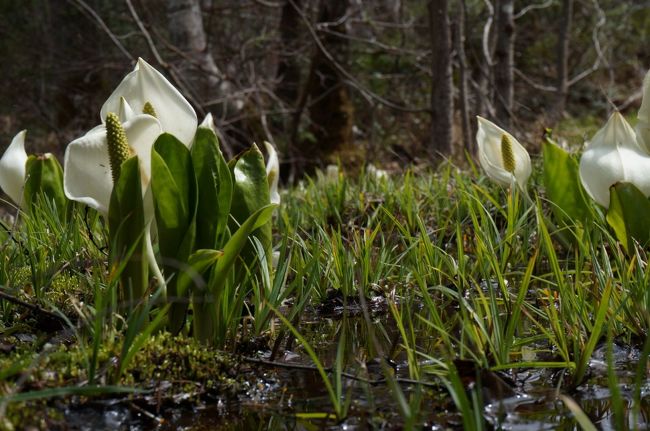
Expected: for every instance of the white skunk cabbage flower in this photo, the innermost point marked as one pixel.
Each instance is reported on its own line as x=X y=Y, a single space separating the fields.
x=12 y=168
x=502 y=157
x=376 y=173
x=643 y=126
x=613 y=156
x=147 y=91
x=273 y=172
x=88 y=175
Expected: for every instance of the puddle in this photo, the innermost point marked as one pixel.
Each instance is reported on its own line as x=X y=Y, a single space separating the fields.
x=278 y=398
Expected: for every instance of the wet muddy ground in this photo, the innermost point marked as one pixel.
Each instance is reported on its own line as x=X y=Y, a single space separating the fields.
x=288 y=395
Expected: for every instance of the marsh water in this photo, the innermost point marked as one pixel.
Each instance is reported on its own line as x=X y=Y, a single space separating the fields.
x=279 y=393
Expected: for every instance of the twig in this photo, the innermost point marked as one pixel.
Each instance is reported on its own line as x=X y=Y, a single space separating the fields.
x=349 y=77
x=534 y=6
x=599 y=53
x=630 y=100
x=83 y=5
x=32 y=307
x=145 y=33
x=535 y=85
x=486 y=34
x=372 y=382
x=160 y=60
x=91 y=236
x=600 y=58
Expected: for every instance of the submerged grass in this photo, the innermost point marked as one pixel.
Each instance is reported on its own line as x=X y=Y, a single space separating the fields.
x=467 y=275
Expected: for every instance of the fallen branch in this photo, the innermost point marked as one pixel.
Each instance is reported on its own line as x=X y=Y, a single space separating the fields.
x=32 y=307
x=306 y=367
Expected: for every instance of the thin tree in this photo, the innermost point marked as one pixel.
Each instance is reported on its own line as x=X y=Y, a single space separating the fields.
x=326 y=94
x=463 y=96
x=504 y=62
x=442 y=103
x=288 y=72
x=197 y=64
x=562 y=65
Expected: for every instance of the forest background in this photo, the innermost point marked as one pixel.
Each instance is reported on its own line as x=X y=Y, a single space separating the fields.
x=393 y=82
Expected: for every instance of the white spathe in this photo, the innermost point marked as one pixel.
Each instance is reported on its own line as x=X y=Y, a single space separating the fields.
x=376 y=173
x=208 y=123
x=145 y=84
x=489 y=138
x=613 y=156
x=87 y=176
x=12 y=168
x=273 y=172
x=643 y=126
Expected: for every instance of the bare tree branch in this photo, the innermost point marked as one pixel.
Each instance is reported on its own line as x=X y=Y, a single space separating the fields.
x=161 y=61
x=599 y=53
x=630 y=100
x=600 y=57
x=535 y=85
x=486 y=34
x=530 y=7
x=81 y=4
x=348 y=76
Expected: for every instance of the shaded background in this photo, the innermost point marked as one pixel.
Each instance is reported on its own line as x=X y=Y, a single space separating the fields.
x=389 y=81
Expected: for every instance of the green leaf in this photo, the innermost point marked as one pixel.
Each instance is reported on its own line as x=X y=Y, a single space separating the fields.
x=126 y=230
x=205 y=306
x=251 y=192
x=197 y=265
x=238 y=240
x=173 y=184
x=563 y=186
x=174 y=191
x=215 y=189
x=194 y=281
x=628 y=214
x=44 y=176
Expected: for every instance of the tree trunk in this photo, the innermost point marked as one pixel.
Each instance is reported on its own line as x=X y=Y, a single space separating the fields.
x=330 y=107
x=442 y=104
x=288 y=73
x=463 y=96
x=197 y=66
x=504 y=63
x=564 y=37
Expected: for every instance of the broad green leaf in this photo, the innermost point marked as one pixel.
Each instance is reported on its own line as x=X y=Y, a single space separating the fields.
x=44 y=176
x=174 y=190
x=251 y=192
x=126 y=231
x=563 y=186
x=214 y=183
x=628 y=214
x=173 y=184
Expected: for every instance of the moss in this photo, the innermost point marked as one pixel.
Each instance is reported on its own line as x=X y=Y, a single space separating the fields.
x=168 y=358
x=65 y=286
x=56 y=294
x=33 y=415
x=177 y=367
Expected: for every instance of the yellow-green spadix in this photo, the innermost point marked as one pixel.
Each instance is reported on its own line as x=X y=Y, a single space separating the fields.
x=87 y=174
x=502 y=157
